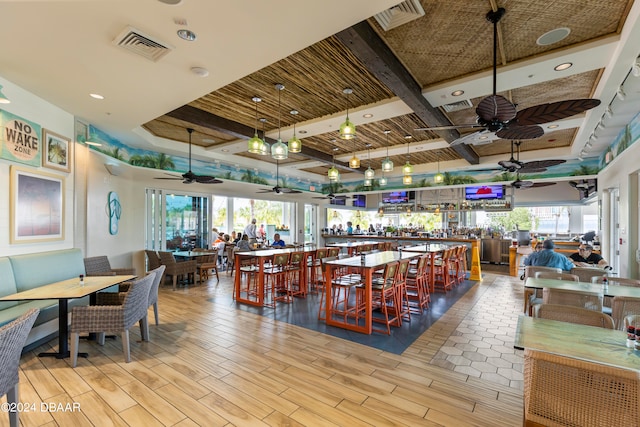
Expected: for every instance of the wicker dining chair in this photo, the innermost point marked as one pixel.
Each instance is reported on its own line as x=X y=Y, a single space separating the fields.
x=622 y=307
x=207 y=264
x=100 y=266
x=178 y=269
x=153 y=259
x=562 y=391
x=586 y=274
x=564 y=313
x=113 y=318
x=584 y=299
x=12 y=339
x=110 y=298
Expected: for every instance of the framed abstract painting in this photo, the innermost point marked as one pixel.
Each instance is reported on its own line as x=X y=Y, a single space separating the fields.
x=37 y=206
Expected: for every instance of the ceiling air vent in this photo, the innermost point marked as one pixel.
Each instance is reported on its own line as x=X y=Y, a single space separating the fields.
x=141 y=44
x=400 y=14
x=457 y=106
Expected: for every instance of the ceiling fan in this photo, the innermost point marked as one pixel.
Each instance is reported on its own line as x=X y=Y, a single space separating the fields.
x=497 y=114
x=190 y=177
x=585 y=186
x=514 y=164
x=332 y=196
x=277 y=189
x=519 y=184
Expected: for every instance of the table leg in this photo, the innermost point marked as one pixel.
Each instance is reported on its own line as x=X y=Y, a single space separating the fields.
x=63 y=333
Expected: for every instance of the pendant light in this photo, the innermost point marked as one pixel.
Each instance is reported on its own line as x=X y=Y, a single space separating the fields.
x=347 y=129
x=279 y=150
x=255 y=144
x=382 y=181
x=354 y=163
x=264 y=149
x=295 y=145
x=333 y=173
x=438 y=178
x=387 y=164
x=369 y=174
x=407 y=169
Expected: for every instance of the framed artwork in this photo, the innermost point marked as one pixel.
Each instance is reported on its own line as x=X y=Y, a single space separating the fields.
x=81 y=131
x=20 y=139
x=37 y=206
x=56 y=151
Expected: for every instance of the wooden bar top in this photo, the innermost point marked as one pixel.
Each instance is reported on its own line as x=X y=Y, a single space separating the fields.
x=380 y=238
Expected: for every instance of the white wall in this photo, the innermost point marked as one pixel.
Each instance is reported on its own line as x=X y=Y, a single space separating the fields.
x=622 y=174
x=37 y=110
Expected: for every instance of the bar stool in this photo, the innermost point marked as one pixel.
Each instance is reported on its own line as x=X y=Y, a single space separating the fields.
x=417 y=287
x=275 y=278
x=315 y=274
x=441 y=271
x=341 y=285
x=294 y=283
x=384 y=296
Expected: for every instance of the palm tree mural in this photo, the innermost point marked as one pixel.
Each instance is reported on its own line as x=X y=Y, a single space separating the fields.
x=155 y=161
x=424 y=182
x=228 y=175
x=333 y=188
x=251 y=177
x=375 y=185
x=625 y=141
x=505 y=176
x=585 y=170
x=450 y=179
x=116 y=154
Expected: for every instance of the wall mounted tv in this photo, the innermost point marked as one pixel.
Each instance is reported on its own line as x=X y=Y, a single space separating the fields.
x=338 y=202
x=398 y=197
x=484 y=192
x=359 y=201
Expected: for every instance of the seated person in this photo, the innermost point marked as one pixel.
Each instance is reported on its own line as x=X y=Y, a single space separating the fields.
x=586 y=258
x=277 y=241
x=547 y=257
x=532 y=256
x=238 y=238
x=243 y=243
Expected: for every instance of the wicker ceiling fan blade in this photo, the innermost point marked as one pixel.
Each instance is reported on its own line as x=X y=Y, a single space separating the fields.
x=496 y=108
x=545 y=113
x=520 y=132
x=542 y=164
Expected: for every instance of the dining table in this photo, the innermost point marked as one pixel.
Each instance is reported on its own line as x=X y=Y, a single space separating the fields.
x=365 y=265
x=351 y=247
x=189 y=255
x=64 y=291
x=431 y=249
x=589 y=343
x=533 y=283
x=261 y=256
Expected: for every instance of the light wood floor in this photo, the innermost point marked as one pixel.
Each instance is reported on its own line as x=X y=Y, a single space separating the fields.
x=209 y=364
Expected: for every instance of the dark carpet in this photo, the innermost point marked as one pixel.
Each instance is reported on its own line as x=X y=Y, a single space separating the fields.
x=304 y=312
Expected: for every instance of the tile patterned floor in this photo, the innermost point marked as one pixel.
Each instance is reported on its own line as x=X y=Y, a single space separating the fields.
x=482 y=331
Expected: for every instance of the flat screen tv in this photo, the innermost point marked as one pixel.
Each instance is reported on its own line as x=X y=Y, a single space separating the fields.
x=338 y=202
x=359 y=201
x=395 y=197
x=484 y=192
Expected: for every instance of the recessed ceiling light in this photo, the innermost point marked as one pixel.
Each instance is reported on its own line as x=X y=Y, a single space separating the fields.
x=224 y=150
x=96 y=96
x=302 y=131
x=187 y=35
x=553 y=126
x=408 y=137
x=563 y=66
x=553 y=36
x=200 y=71
x=457 y=92
x=483 y=137
x=367 y=116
